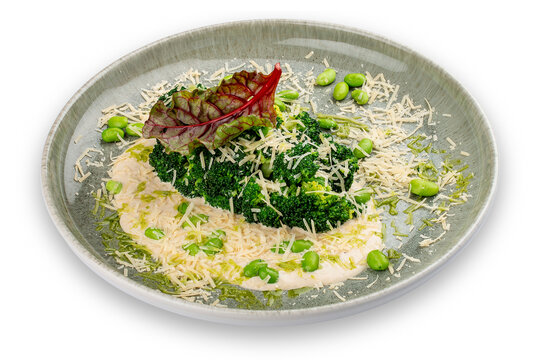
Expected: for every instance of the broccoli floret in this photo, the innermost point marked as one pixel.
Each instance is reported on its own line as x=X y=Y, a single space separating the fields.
x=269 y=217
x=221 y=182
x=317 y=208
x=341 y=154
x=312 y=128
x=168 y=166
x=251 y=198
x=295 y=174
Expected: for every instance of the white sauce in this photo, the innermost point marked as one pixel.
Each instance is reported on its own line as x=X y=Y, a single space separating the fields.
x=244 y=242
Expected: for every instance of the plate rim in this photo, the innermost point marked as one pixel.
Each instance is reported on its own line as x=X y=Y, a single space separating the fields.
x=273 y=316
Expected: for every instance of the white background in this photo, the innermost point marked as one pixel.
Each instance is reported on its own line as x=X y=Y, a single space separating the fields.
x=483 y=304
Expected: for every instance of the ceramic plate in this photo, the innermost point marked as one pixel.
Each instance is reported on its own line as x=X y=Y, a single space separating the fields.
x=271 y=41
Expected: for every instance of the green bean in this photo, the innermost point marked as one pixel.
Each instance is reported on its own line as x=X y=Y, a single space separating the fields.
x=270 y=275
x=119 y=122
x=112 y=134
x=326 y=77
x=252 y=269
x=310 y=261
x=300 y=245
x=114 y=187
x=341 y=90
x=195 y=219
x=360 y=96
x=288 y=94
x=377 y=260
x=134 y=129
x=362 y=197
x=266 y=169
x=192 y=249
x=212 y=246
x=423 y=187
x=280 y=104
x=363 y=149
x=326 y=123
x=355 y=79
x=182 y=208
x=154 y=233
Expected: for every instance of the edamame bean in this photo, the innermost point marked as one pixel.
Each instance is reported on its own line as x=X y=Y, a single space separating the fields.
x=377 y=260
x=363 y=149
x=280 y=104
x=134 y=129
x=355 y=79
x=252 y=269
x=112 y=134
x=362 y=197
x=114 y=187
x=310 y=261
x=326 y=123
x=154 y=233
x=182 y=208
x=326 y=77
x=266 y=169
x=300 y=245
x=341 y=90
x=423 y=187
x=117 y=122
x=288 y=94
x=192 y=249
x=195 y=219
x=360 y=96
x=269 y=275
x=212 y=246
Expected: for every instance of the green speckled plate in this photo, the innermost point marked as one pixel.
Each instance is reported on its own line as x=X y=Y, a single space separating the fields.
x=269 y=41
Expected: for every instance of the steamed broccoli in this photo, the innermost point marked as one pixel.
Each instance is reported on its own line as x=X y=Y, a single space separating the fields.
x=313 y=203
x=303 y=166
x=304 y=196
x=312 y=128
x=343 y=153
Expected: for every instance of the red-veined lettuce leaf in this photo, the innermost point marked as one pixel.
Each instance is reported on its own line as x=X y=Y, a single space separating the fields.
x=216 y=115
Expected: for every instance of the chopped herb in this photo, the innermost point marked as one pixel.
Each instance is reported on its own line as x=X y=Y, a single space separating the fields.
x=140 y=152
x=163 y=193
x=140 y=187
x=245 y=299
x=428 y=171
x=396 y=230
x=391 y=201
x=289 y=266
x=274 y=298
x=416 y=145
x=297 y=292
x=393 y=254
x=147 y=197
